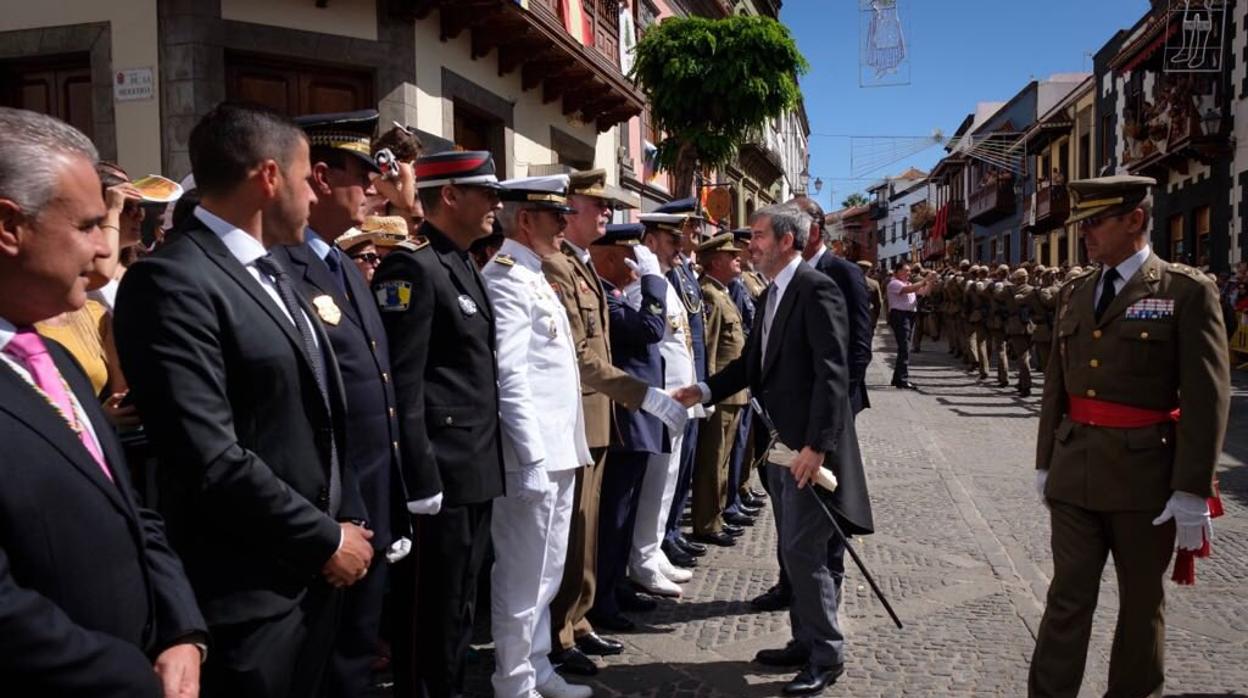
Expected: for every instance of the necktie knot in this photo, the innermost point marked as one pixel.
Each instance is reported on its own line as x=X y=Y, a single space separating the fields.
x=26 y=344
x=269 y=266
x=1110 y=276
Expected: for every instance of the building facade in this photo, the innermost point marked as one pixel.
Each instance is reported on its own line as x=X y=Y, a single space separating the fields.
x=893 y=202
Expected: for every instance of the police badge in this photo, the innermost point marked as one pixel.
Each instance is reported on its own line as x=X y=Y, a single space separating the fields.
x=327 y=309
x=467 y=305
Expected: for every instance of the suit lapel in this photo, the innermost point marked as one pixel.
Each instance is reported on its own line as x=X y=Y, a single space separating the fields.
x=466 y=280
x=33 y=410
x=1141 y=285
x=316 y=274
x=782 y=317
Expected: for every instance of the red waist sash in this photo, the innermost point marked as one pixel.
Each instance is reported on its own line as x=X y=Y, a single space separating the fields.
x=1100 y=413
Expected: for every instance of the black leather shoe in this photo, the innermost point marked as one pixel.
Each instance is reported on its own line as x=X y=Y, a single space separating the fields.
x=1024 y=392
x=734 y=531
x=813 y=679
x=759 y=495
x=791 y=654
x=593 y=643
x=774 y=599
x=573 y=661
x=750 y=506
x=738 y=519
x=678 y=557
x=694 y=549
x=905 y=385
x=720 y=538
x=634 y=603
x=615 y=623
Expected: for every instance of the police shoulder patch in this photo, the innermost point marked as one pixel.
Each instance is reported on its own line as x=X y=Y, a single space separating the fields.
x=415 y=244
x=393 y=296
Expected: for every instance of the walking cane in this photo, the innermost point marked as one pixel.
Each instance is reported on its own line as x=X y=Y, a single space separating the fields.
x=879 y=593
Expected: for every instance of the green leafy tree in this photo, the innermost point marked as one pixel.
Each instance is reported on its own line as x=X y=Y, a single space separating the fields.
x=855 y=199
x=713 y=84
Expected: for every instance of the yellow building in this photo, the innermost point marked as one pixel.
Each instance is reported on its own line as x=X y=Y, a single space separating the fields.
x=137 y=74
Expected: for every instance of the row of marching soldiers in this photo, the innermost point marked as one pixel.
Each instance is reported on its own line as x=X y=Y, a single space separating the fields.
x=992 y=318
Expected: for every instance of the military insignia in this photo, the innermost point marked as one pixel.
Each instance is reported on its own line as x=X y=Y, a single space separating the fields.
x=582 y=287
x=553 y=328
x=327 y=309
x=555 y=287
x=467 y=305
x=415 y=244
x=1150 y=309
x=655 y=309
x=505 y=260
x=393 y=296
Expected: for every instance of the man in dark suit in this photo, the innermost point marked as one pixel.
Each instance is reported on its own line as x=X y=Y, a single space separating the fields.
x=795 y=366
x=636 y=298
x=341 y=170
x=441 y=331
x=111 y=612
x=237 y=383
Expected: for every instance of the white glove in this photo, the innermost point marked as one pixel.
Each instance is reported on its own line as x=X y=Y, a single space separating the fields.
x=427 y=506
x=1192 y=523
x=1042 y=477
x=398 y=550
x=646 y=262
x=529 y=484
x=663 y=406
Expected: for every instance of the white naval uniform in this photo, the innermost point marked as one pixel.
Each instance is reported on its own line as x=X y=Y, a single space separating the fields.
x=542 y=427
x=658 y=486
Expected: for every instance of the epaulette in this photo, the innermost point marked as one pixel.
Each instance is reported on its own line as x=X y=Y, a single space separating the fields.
x=1186 y=271
x=414 y=245
x=1068 y=285
x=505 y=260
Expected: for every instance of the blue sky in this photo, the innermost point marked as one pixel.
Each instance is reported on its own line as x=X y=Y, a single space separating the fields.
x=961 y=52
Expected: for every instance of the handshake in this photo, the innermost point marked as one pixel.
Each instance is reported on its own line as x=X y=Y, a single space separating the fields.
x=672 y=408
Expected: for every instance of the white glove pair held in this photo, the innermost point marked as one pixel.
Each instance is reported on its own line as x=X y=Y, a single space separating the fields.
x=646 y=262
x=1192 y=523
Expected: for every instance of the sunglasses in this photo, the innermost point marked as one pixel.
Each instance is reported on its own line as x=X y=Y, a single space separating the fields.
x=367 y=257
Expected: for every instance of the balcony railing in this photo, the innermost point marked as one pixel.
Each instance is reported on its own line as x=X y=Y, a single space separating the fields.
x=992 y=202
x=878 y=210
x=1052 y=206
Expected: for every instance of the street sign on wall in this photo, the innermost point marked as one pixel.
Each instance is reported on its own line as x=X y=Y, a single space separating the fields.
x=133 y=84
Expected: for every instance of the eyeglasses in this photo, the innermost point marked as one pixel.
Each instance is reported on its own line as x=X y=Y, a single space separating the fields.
x=1090 y=223
x=367 y=257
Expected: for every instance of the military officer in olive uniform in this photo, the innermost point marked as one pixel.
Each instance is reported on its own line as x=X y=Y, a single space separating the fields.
x=875 y=295
x=1018 y=326
x=725 y=340
x=1043 y=303
x=1131 y=426
x=975 y=309
x=997 y=297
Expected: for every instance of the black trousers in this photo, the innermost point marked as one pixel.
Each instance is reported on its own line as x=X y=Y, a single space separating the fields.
x=435 y=590
x=280 y=657
x=684 y=479
x=617 y=515
x=902 y=323
x=350 y=669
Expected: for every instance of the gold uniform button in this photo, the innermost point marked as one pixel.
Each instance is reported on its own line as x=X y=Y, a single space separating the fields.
x=1143 y=335
x=1091 y=393
x=1094 y=363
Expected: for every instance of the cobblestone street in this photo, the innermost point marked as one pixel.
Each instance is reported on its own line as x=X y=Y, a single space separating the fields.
x=961 y=550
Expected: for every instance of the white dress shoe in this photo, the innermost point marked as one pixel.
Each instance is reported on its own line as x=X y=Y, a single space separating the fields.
x=659 y=587
x=556 y=687
x=674 y=573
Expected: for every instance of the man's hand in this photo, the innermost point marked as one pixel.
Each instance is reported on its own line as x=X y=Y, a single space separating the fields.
x=350 y=563
x=688 y=396
x=178 y=669
x=647 y=263
x=1193 y=524
x=806 y=466
x=529 y=485
x=400 y=191
x=671 y=412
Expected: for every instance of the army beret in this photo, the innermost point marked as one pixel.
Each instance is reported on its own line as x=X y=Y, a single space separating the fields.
x=1106 y=196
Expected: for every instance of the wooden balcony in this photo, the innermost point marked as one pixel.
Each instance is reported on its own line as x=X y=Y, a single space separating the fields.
x=992 y=202
x=1052 y=207
x=878 y=210
x=956 y=220
x=586 y=79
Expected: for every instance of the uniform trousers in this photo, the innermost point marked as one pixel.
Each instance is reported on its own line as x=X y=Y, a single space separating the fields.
x=710 y=475
x=436 y=588
x=617 y=517
x=998 y=346
x=575 y=594
x=1041 y=351
x=351 y=668
x=977 y=341
x=814 y=559
x=1081 y=541
x=658 y=489
x=1021 y=344
x=530 y=546
x=280 y=657
x=738 y=462
x=684 y=478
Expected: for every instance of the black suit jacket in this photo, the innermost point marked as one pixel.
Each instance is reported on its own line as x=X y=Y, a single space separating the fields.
x=853 y=284
x=635 y=337
x=441 y=330
x=90 y=592
x=239 y=425
x=359 y=341
x=803 y=384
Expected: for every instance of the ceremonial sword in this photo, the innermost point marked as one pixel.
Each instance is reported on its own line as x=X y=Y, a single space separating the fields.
x=879 y=593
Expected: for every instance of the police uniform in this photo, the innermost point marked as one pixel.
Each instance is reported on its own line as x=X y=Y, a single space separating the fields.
x=341 y=297
x=543 y=441
x=1018 y=327
x=725 y=336
x=580 y=290
x=638 y=322
x=1132 y=421
x=440 y=327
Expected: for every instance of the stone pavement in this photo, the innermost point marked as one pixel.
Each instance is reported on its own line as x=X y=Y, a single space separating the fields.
x=961 y=550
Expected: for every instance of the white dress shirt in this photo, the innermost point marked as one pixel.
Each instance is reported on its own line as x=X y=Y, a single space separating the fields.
x=1126 y=269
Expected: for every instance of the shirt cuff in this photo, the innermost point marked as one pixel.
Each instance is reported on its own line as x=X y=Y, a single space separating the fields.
x=706 y=392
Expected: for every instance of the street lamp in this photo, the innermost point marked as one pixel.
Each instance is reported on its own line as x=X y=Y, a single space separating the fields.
x=818 y=185
x=803 y=180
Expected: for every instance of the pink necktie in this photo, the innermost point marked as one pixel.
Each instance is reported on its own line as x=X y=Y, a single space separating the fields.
x=28 y=347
